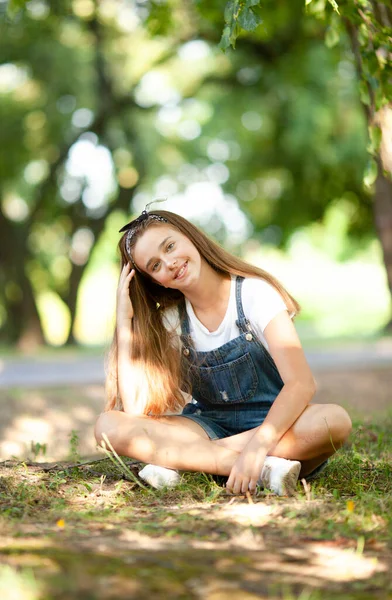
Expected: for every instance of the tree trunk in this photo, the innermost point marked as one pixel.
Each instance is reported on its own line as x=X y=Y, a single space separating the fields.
x=72 y=297
x=383 y=119
x=383 y=194
x=22 y=325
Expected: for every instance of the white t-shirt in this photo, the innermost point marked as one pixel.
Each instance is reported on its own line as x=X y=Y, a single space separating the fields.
x=261 y=303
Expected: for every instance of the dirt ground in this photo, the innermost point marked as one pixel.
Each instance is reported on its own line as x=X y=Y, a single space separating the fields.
x=363 y=392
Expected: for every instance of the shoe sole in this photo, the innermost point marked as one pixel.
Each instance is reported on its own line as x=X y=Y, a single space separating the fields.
x=289 y=481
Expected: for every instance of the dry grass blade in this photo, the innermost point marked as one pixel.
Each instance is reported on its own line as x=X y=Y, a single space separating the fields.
x=117 y=459
x=249 y=497
x=307 y=489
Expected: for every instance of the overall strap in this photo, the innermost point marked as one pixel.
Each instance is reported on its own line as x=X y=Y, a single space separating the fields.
x=242 y=322
x=184 y=319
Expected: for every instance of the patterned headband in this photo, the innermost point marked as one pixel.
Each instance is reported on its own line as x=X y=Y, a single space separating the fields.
x=132 y=226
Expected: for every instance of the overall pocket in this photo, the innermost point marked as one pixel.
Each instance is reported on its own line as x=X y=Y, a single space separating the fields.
x=232 y=382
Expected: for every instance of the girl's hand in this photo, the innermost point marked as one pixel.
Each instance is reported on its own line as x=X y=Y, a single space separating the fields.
x=124 y=310
x=246 y=470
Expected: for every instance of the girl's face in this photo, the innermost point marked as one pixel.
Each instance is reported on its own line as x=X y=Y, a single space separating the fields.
x=168 y=257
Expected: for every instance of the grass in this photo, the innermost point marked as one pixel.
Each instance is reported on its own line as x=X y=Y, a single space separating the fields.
x=55 y=517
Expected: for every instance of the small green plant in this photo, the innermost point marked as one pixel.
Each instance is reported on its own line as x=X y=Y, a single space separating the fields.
x=74 y=446
x=36 y=448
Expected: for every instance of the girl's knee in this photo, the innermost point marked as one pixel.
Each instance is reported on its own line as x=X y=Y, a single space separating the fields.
x=339 y=423
x=106 y=425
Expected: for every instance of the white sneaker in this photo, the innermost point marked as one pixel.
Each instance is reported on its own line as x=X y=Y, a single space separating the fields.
x=280 y=475
x=160 y=477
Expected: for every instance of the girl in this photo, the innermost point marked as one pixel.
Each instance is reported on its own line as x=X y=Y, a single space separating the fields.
x=193 y=322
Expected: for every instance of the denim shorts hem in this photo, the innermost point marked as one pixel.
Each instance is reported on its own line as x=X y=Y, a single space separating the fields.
x=214 y=433
x=313 y=474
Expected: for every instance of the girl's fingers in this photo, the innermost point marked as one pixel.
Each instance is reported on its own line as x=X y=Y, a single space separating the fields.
x=234 y=484
x=237 y=487
x=245 y=485
x=252 y=485
x=241 y=485
x=229 y=482
x=124 y=275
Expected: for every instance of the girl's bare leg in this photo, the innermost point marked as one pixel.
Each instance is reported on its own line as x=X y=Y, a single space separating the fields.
x=175 y=442
x=317 y=433
x=180 y=443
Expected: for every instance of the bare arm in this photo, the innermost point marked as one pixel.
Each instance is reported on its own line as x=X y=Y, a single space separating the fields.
x=299 y=385
x=296 y=393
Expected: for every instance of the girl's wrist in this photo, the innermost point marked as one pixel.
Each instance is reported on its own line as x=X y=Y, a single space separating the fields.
x=262 y=443
x=124 y=323
x=124 y=331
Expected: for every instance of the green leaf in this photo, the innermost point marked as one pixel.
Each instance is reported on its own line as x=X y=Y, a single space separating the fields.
x=248 y=20
x=229 y=11
x=375 y=136
x=225 y=39
x=363 y=35
x=370 y=174
x=381 y=98
x=250 y=3
x=334 y=5
x=234 y=31
x=364 y=93
x=331 y=37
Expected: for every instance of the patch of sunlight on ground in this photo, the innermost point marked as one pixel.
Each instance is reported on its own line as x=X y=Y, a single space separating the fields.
x=256 y=515
x=40 y=424
x=24 y=431
x=324 y=562
x=335 y=564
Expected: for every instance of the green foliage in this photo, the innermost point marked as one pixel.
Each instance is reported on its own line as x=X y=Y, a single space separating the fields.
x=367 y=25
x=77 y=76
x=14 y=6
x=239 y=15
x=244 y=15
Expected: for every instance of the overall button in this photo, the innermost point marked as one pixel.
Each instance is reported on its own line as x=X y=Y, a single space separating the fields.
x=249 y=337
x=186 y=351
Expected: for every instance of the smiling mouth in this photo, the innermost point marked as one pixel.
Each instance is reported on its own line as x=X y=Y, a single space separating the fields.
x=182 y=270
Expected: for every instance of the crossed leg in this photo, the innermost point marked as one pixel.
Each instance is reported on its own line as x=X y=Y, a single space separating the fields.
x=317 y=434
x=180 y=443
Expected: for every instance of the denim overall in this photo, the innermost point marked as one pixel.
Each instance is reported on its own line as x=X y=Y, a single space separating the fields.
x=234 y=385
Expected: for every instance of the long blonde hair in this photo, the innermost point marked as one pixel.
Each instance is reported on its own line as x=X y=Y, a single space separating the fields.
x=158 y=358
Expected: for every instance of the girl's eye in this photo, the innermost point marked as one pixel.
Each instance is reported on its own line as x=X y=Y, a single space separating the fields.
x=168 y=247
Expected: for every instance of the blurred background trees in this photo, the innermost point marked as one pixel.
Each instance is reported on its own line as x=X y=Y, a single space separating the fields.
x=107 y=105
